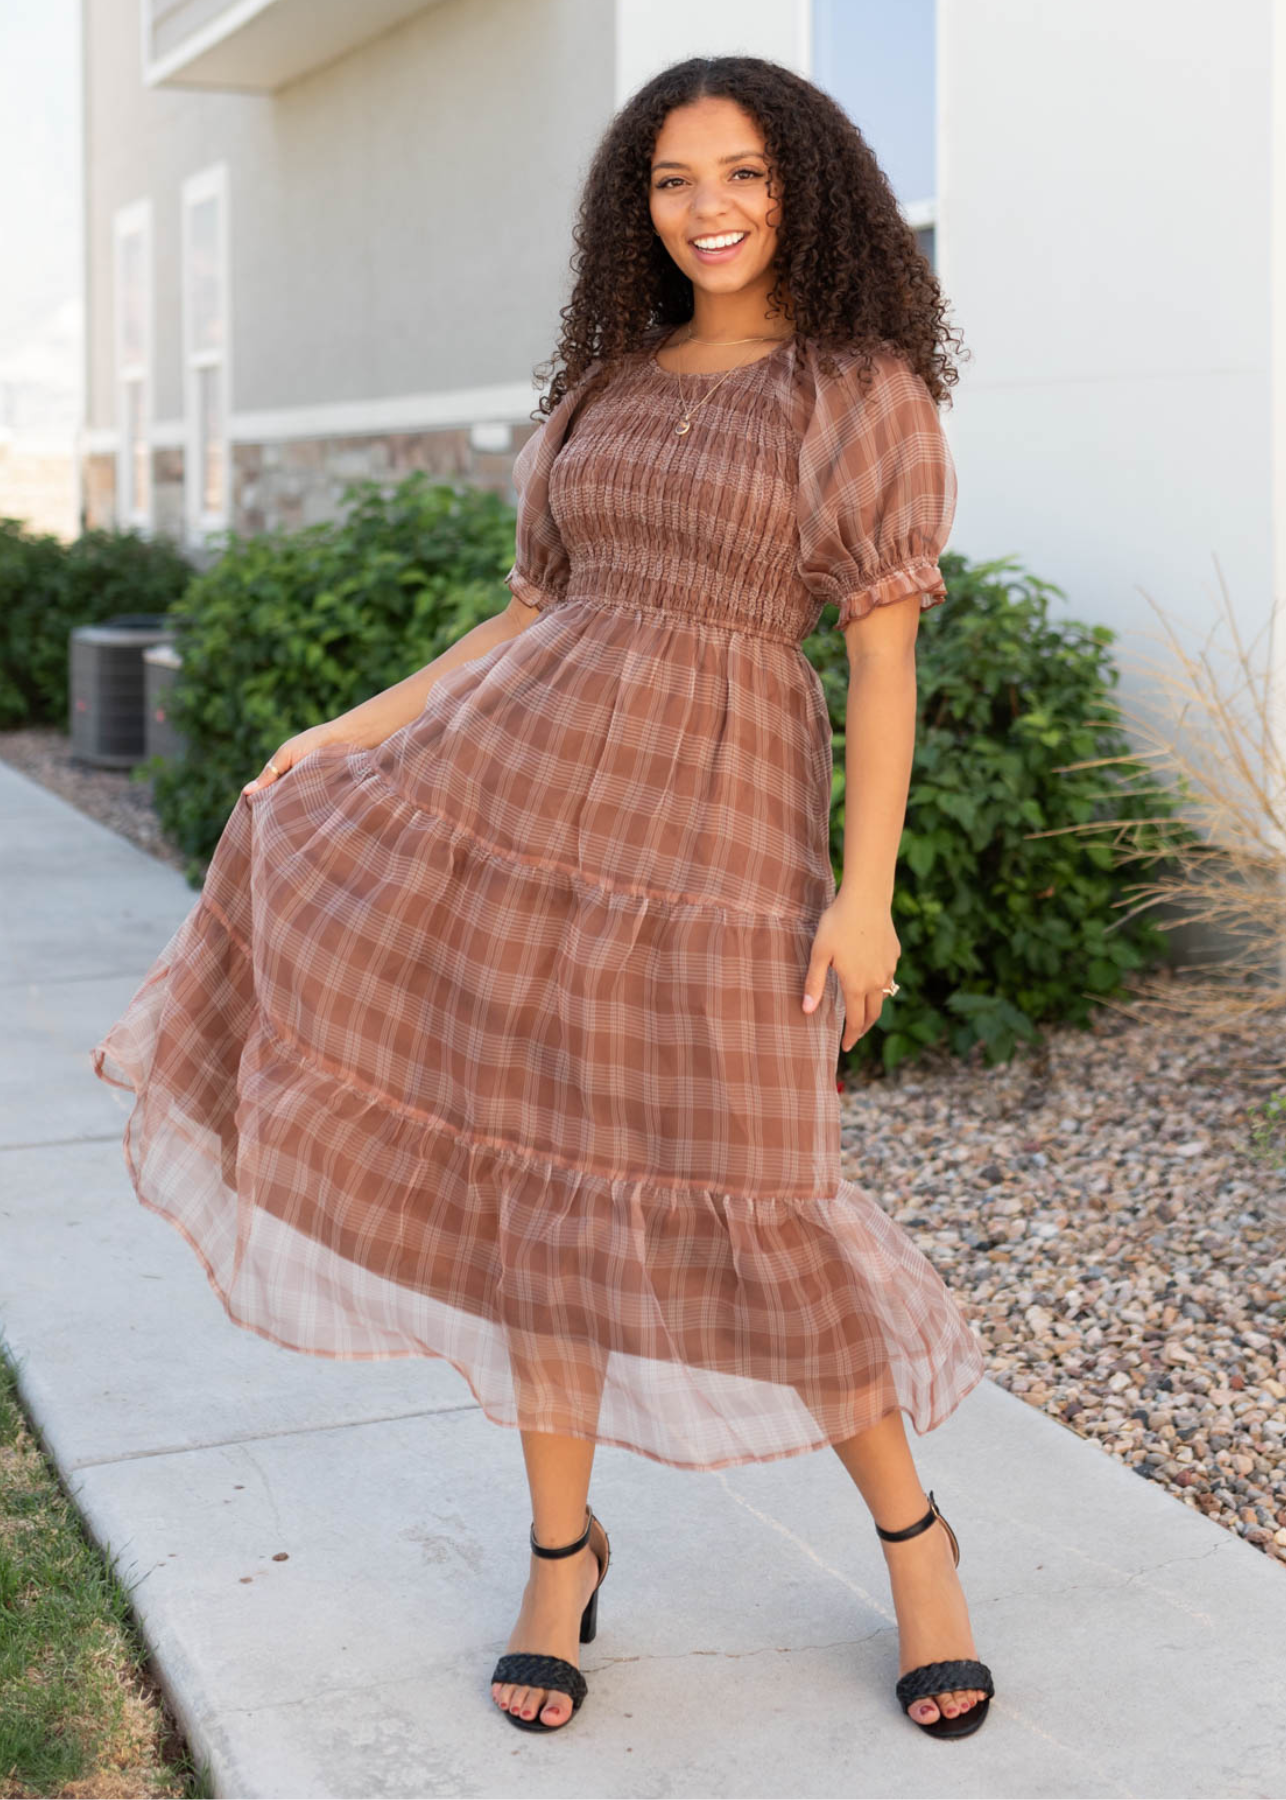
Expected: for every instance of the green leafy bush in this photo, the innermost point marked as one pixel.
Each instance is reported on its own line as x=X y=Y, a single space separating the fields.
x=47 y=587
x=288 y=629
x=1002 y=930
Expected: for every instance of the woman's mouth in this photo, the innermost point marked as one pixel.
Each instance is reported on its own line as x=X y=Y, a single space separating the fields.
x=718 y=247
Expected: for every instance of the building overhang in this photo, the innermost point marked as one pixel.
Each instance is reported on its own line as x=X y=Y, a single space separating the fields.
x=257 y=46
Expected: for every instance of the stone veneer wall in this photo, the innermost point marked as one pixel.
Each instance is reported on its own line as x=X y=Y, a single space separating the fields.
x=296 y=482
x=38 y=486
x=167 y=493
x=98 y=490
x=301 y=481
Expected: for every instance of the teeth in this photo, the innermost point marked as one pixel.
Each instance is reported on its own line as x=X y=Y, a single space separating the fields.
x=719 y=243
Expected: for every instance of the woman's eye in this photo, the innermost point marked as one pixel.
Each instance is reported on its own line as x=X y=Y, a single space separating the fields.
x=666 y=180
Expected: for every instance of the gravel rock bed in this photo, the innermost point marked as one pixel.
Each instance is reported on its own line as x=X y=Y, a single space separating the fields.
x=1095 y=1208
x=1093 y=1205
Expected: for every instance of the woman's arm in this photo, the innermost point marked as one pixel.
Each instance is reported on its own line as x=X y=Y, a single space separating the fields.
x=386 y=712
x=856 y=931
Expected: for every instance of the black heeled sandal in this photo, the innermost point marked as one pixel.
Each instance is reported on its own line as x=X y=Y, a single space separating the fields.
x=532 y=1668
x=935 y=1678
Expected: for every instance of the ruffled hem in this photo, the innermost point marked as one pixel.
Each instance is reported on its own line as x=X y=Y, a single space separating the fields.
x=919 y=576
x=964 y=1386
x=700 y=1329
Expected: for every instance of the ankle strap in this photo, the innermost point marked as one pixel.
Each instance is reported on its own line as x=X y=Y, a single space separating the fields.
x=564 y=1549
x=923 y=1524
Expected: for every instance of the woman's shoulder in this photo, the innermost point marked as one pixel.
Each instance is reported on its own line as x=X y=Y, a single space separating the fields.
x=846 y=384
x=851 y=364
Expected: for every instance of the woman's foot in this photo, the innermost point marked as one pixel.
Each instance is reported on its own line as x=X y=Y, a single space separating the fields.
x=557 y=1593
x=933 y=1618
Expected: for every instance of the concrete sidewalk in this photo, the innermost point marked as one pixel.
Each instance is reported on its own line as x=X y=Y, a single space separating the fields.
x=746 y=1643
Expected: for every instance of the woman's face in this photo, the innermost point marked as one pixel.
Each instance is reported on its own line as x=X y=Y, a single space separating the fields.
x=709 y=179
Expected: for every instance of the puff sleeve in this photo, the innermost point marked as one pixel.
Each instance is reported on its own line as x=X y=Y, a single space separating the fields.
x=540 y=570
x=877 y=486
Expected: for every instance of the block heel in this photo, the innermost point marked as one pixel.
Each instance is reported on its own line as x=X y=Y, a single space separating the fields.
x=940 y=1677
x=531 y=1668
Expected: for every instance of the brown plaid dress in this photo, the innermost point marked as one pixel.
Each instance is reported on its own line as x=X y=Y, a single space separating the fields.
x=487 y=1044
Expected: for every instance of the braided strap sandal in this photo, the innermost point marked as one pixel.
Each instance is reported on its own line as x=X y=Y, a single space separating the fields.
x=528 y=1668
x=931 y=1679
x=532 y=1668
x=939 y=1678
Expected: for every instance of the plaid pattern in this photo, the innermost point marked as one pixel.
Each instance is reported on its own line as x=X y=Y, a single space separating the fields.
x=486 y=1043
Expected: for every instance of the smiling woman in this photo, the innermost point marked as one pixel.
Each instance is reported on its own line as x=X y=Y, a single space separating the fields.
x=509 y=1035
x=713 y=210
x=711 y=207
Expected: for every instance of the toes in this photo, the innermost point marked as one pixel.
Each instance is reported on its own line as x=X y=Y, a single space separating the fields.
x=956 y=1700
x=552 y=1706
x=925 y=1711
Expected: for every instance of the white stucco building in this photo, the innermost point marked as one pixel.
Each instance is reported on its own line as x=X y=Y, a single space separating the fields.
x=325 y=240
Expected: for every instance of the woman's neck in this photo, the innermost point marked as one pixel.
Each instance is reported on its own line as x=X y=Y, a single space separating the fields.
x=723 y=319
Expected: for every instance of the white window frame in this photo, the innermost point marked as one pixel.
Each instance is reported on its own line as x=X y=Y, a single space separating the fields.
x=133 y=220
x=922 y=215
x=205 y=184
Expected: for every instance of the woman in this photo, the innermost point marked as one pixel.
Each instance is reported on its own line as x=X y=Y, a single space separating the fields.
x=505 y=1026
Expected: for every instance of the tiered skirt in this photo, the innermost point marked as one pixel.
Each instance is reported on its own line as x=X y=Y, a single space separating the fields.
x=486 y=1044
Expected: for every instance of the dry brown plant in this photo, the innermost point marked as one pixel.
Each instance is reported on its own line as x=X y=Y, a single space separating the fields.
x=1217 y=745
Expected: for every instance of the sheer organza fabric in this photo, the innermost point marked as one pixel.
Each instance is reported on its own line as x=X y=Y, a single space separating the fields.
x=487 y=1044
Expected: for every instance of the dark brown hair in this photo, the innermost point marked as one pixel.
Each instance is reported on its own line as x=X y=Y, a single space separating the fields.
x=847 y=262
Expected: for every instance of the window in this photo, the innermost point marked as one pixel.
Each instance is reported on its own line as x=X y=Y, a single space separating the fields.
x=880 y=63
x=205 y=350
x=132 y=297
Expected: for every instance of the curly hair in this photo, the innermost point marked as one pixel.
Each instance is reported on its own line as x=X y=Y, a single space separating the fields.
x=848 y=266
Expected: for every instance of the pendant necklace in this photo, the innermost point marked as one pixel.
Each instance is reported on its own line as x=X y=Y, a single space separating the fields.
x=685 y=423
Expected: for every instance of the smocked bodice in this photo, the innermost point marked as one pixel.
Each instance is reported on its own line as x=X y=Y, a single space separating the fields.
x=796 y=485
x=700 y=525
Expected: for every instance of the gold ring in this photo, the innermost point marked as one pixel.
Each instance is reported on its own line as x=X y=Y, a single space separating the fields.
x=274 y=768
x=890 y=990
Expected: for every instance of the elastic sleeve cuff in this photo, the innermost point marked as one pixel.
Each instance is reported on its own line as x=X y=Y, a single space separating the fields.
x=526 y=590
x=920 y=576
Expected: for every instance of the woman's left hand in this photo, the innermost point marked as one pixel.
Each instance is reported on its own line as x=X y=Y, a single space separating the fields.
x=856 y=934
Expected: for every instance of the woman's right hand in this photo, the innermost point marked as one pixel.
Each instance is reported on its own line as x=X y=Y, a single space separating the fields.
x=285 y=756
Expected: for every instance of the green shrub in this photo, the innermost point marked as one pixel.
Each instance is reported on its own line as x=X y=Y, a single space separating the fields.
x=290 y=628
x=31 y=569
x=1002 y=930
x=47 y=587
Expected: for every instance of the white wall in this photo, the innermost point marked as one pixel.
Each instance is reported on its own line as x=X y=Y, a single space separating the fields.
x=1278 y=229
x=650 y=34
x=41 y=310
x=1105 y=238
x=400 y=219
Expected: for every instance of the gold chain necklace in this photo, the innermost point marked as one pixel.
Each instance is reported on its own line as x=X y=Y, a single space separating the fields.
x=685 y=423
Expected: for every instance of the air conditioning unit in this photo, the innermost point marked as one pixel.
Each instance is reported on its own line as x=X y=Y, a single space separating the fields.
x=161 y=665
x=106 y=687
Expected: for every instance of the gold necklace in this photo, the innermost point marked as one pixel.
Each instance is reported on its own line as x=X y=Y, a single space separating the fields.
x=762 y=338
x=685 y=423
